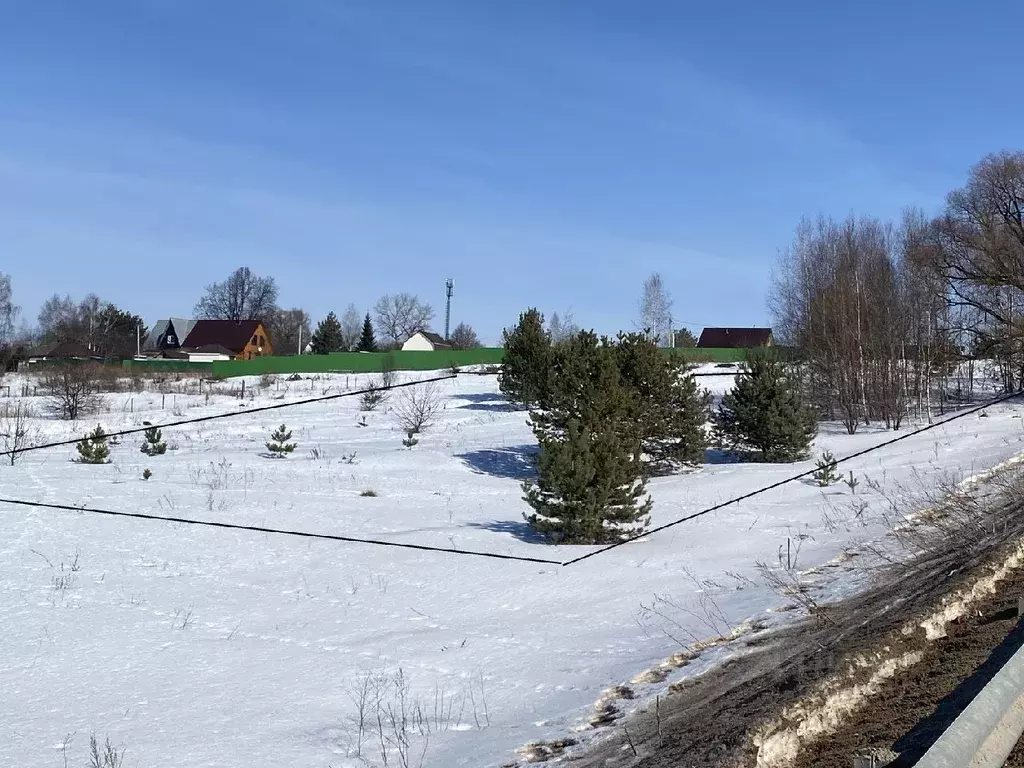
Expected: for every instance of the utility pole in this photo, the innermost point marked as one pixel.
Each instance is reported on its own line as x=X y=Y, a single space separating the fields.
x=299 y=352
x=449 y=286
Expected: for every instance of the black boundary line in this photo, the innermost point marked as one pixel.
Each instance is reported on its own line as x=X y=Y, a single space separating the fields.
x=255 y=528
x=424 y=547
x=279 y=531
x=243 y=412
x=773 y=486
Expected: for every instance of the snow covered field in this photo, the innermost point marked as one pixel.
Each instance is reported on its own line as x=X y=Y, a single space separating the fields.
x=193 y=646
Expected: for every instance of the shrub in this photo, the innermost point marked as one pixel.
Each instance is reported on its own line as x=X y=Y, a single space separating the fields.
x=368 y=492
x=417 y=408
x=154 y=445
x=16 y=430
x=764 y=414
x=93 y=448
x=388 y=371
x=371 y=398
x=73 y=390
x=278 y=445
x=146 y=474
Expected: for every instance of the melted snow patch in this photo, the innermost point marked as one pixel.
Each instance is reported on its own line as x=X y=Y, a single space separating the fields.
x=822 y=711
x=958 y=604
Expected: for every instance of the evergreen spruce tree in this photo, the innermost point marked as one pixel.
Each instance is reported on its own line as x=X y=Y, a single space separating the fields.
x=524 y=369
x=367 y=342
x=279 y=446
x=590 y=486
x=671 y=409
x=764 y=413
x=327 y=337
x=93 y=448
x=154 y=445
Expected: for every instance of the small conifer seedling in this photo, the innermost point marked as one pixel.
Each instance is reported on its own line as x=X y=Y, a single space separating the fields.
x=93 y=448
x=154 y=445
x=279 y=446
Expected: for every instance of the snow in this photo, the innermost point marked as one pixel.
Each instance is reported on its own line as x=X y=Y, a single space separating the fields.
x=194 y=646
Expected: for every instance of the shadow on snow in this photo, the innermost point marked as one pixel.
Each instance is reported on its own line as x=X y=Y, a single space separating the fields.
x=519 y=529
x=515 y=463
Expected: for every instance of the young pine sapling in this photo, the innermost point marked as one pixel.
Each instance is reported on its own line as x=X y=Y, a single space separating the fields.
x=279 y=446
x=154 y=445
x=825 y=474
x=93 y=448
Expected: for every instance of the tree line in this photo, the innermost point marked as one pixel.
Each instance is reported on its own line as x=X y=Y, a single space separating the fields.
x=109 y=331
x=891 y=318
x=247 y=296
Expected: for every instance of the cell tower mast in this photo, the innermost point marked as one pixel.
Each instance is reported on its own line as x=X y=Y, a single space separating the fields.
x=449 y=287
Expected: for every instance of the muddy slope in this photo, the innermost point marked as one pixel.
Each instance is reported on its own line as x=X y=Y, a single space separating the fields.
x=708 y=721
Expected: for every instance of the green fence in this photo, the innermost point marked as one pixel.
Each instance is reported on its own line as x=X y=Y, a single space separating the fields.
x=709 y=355
x=372 y=362
x=358 y=362
x=160 y=365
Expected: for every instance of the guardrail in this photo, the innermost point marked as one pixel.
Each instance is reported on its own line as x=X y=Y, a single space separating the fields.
x=985 y=732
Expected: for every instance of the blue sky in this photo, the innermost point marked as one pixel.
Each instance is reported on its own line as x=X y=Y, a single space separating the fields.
x=541 y=153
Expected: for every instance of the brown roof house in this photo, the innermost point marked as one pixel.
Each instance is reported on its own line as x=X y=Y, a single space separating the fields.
x=425 y=341
x=243 y=339
x=734 y=338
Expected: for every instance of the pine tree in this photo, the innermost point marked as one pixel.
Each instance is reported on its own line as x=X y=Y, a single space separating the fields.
x=764 y=413
x=367 y=342
x=671 y=409
x=154 y=445
x=93 y=448
x=279 y=446
x=327 y=337
x=527 y=355
x=590 y=485
x=825 y=473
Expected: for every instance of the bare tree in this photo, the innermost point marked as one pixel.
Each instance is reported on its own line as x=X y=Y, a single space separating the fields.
x=16 y=430
x=562 y=327
x=402 y=315
x=8 y=310
x=243 y=296
x=59 y=319
x=850 y=298
x=289 y=331
x=73 y=390
x=351 y=327
x=656 y=310
x=978 y=252
x=418 y=406
x=464 y=337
